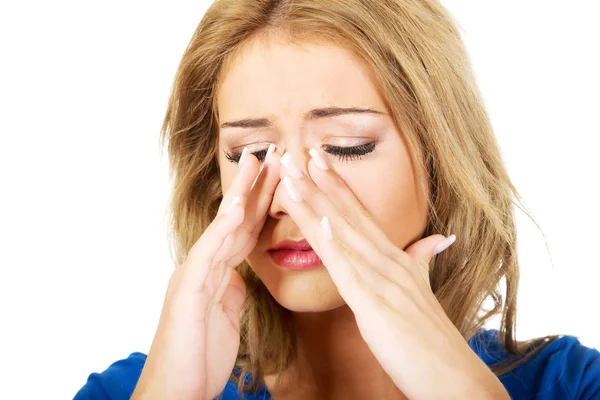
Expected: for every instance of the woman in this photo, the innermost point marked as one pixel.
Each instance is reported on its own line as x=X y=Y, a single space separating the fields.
x=326 y=156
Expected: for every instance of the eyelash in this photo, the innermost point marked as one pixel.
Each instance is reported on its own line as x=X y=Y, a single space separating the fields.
x=346 y=154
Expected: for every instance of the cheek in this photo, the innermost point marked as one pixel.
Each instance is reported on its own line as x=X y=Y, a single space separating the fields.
x=226 y=174
x=388 y=190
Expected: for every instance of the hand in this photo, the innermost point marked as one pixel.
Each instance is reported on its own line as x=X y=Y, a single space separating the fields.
x=387 y=289
x=198 y=335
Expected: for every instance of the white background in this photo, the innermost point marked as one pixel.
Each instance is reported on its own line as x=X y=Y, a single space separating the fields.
x=84 y=189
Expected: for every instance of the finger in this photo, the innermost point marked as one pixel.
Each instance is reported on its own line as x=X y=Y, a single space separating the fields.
x=229 y=217
x=267 y=160
x=233 y=298
x=344 y=245
x=345 y=267
x=344 y=276
x=235 y=248
x=224 y=282
x=334 y=188
x=201 y=256
x=214 y=280
x=262 y=193
x=352 y=241
x=248 y=169
x=229 y=294
x=425 y=249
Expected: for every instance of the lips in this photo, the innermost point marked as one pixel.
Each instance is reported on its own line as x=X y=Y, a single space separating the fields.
x=301 y=245
x=295 y=255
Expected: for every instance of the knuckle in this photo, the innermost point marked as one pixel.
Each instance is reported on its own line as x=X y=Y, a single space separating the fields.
x=403 y=275
x=396 y=295
x=310 y=190
x=363 y=214
x=227 y=202
x=347 y=221
x=347 y=249
x=373 y=254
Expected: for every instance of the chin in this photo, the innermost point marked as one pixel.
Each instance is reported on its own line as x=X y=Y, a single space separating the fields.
x=301 y=291
x=308 y=303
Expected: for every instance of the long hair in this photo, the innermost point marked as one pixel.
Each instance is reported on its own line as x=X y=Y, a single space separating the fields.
x=417 y=58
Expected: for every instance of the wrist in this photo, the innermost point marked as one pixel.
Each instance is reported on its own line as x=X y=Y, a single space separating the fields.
x=476 y=381
x=484 y=386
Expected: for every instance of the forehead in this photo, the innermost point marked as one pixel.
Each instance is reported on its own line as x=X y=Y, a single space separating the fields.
x=287 y=78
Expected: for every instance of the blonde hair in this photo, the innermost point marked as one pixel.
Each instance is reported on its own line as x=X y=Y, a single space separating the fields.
x=418 y=60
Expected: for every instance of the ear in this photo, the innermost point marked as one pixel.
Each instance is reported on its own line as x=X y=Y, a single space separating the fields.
x=424 y=250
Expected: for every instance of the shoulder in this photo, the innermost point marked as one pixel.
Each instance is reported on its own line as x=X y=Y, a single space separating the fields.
x=115 y=382
x=563 y=369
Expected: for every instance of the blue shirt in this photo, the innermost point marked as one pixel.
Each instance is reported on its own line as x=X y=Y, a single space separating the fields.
x=564 y=369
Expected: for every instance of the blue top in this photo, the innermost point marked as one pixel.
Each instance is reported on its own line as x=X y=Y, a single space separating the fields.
x=564 y=369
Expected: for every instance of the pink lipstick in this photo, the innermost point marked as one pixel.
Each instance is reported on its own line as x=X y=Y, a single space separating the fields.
x=295 y=255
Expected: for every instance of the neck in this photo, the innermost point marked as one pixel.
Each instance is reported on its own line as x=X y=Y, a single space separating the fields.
x=333 y=361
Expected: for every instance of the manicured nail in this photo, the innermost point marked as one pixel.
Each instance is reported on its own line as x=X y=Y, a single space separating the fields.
x=232 y=206
x=256 y=179
x=326 y=228
x=288 y=163
x=319 y=161
x=292 y=191
x=444 y=244
x=244 y=153
x=269 y=152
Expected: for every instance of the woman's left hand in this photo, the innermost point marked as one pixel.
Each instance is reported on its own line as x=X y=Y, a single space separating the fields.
x=387 y=289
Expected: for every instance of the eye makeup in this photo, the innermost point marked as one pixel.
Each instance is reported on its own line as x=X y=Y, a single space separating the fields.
x=235 y=157
x=343 y=153
x=351 y=153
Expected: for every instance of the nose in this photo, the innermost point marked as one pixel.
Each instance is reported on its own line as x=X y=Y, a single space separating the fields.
x=300 y=159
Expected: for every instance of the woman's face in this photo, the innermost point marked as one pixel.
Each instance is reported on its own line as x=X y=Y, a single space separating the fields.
x=281 y=84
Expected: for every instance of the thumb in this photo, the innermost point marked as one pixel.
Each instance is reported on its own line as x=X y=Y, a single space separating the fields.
x=423 y=250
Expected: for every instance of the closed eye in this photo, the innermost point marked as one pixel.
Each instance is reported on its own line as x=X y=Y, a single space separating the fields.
x=347 y=154
x=235 y=157
x=350 y=153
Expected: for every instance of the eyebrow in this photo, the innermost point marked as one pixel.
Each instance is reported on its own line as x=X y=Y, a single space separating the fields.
x=317 y=113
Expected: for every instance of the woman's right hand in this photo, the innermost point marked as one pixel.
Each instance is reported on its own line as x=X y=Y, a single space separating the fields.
x=198 y=335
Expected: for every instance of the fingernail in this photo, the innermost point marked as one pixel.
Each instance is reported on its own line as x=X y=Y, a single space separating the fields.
x=319 y=161
x=244 y=153
x=288 y=163
x=289 y=185
x=233 y=204
x=255 y=180
x=444 y=244
x=269 y=152
x=326 y=228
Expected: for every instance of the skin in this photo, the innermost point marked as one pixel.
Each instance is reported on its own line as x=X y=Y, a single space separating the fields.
x=368 y=324
x=282 y=82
